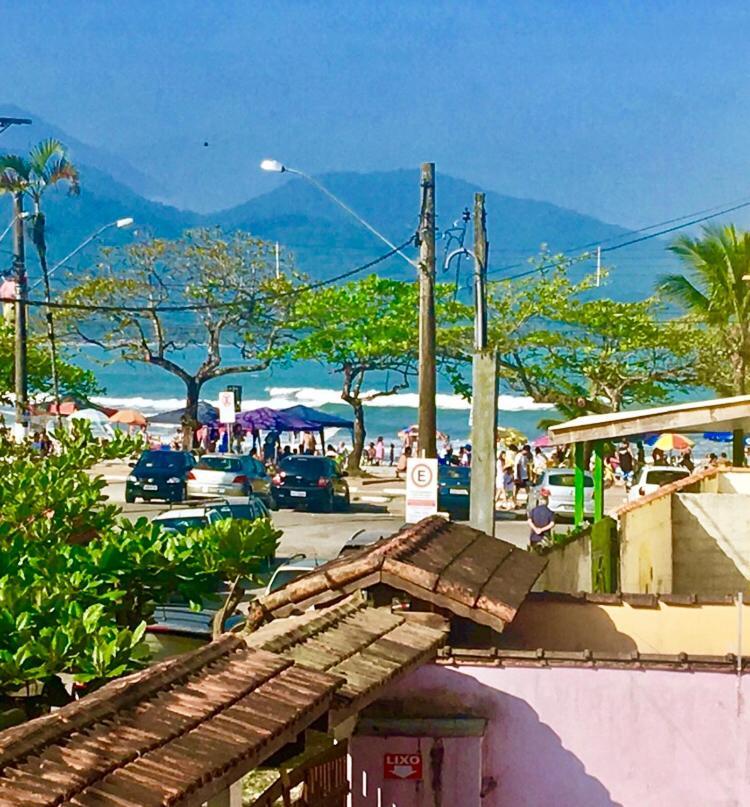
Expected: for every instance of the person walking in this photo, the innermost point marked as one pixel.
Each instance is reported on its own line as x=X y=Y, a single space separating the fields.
x=539 y=465
x=626 y=463
x=521 y=474
x=379 y=451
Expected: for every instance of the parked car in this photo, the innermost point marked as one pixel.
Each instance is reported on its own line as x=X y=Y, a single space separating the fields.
x=189 y=518
x=363 y=538
x=291 y=571
x=229 y=475
x=654 y=477
x=316 y=482
x=159 y=475
x=560 y=482
x=454 y=490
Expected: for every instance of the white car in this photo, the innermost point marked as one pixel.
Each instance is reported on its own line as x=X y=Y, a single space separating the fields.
x=654 y=477
x=188 y=518
x=560 y=482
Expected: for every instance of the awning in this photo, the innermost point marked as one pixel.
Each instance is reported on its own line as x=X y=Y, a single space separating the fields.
x=266 y=419
x=323 y=420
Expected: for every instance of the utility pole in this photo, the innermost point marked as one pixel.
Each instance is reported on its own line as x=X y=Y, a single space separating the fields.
x=19 y=267
x=427 y=376
x=484 y=393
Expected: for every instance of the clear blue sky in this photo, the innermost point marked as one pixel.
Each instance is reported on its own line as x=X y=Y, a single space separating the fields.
x=631 y=111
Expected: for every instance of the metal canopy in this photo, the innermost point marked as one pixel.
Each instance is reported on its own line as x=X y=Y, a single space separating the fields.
x=720 y=414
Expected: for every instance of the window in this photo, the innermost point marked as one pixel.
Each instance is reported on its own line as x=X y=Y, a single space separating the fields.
x=228 y=464
x=568 y=480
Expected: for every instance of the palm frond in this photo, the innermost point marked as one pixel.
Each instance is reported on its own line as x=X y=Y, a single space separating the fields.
x=43 y=153
x=14 y=173
x=681 y=291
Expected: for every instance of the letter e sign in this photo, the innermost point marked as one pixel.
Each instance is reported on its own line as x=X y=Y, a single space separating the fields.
x=402 y=766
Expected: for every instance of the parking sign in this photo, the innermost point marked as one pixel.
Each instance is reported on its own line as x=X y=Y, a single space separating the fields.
x=421 y=489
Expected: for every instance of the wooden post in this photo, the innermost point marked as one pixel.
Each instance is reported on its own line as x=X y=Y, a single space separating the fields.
x=427 y=373
x=579 y=483
x=598 y=480
x=738 y=448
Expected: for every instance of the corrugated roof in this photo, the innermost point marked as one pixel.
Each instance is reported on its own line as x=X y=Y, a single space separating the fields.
x=368 y=647
x=719 y=414
x=450 y=565
x=174 y=734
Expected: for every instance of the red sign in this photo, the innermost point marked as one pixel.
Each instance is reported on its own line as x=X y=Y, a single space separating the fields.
x=402 y=766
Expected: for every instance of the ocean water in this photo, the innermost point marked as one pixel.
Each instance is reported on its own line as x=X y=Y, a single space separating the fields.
x=153 y=390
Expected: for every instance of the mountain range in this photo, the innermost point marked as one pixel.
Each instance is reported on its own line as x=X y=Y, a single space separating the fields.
x=323 y=238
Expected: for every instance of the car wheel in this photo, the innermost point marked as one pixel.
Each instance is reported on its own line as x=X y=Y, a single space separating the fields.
x=327 y=506
x=129 y=497
x=343 y=502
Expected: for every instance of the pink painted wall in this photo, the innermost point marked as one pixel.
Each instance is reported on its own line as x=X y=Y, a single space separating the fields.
x=572 y=737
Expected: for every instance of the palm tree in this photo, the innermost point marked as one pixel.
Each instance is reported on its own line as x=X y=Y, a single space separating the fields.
x=714 y=294
x=46 y=165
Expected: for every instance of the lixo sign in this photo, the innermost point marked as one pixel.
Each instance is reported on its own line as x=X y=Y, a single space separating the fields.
x=421 y=489
x=406 y=767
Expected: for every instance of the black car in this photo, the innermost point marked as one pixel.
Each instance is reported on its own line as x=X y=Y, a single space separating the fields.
x=454 y=488
x=316 y=482
x=159 y=475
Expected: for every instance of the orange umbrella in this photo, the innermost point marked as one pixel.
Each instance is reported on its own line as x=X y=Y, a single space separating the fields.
x=128 y=417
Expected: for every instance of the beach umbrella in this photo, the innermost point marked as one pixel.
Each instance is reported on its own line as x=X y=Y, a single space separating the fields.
x=207 y=413
x=542 y=442
x=669 y=441
x=128 y=417
x=413 y=431
x=322 y=420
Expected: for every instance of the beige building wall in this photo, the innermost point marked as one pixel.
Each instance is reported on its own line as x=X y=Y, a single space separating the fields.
x=623 y=628
x=646 y=547
x=568 y=568
x=735 y=481
x=711 y=543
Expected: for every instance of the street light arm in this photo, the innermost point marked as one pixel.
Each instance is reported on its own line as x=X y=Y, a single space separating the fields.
x=81 y=246
x=322 y=188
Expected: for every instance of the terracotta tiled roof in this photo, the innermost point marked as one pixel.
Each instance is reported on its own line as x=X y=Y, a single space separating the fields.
x=368 y=647
x=176 y=733
x=450 y=565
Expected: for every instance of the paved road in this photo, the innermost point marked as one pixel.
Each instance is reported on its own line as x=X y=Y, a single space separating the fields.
x=379 y=505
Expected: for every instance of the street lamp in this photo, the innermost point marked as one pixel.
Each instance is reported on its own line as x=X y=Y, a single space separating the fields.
x=23 y=215
x=119 y=224
x=274 y=166
x=7 y=122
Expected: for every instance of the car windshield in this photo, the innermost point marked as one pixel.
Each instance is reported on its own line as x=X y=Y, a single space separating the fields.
x=306 y=467
x=665 y=477
x=284 y=576
x=567 y=480
x=182 y=524
x=220 y=464
x=454 y=475
x=163 y=460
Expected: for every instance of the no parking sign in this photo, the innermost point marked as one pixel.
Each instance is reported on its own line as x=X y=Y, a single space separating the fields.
x=421 y=489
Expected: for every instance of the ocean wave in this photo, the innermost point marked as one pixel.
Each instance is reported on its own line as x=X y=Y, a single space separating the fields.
x=282 y=397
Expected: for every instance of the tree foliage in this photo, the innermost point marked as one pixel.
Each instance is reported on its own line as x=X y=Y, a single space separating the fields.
x=560 y=343
x=716 y=299
x=361 y=328
x=79 y=583
x=73 y=380
x=230 y=280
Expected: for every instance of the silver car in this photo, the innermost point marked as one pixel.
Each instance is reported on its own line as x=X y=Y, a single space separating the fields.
x=560 y=482
x=229 y=475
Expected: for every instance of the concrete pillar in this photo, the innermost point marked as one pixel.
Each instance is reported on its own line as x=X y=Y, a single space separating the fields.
x=231 y=797
x=738 y=448
x=578 y=453
x=483 y=442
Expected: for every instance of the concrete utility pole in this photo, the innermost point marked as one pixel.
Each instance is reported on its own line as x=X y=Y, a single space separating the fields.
x=484 y=382
x=427 y=376
x=19 y=267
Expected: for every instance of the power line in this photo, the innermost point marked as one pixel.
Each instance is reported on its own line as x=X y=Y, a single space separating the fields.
x=586 y=256
x=210 y=306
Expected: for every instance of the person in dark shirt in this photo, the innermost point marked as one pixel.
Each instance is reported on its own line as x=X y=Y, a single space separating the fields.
x=626 y=462
x=541 y=520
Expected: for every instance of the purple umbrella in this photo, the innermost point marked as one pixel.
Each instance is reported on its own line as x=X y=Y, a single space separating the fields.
x=266 y=419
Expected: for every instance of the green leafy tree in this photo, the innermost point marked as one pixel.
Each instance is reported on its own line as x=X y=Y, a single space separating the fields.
x=560 y=344
x=360 y=328
x=717 y=299
x=79 y=583
x=72 y=380
x=231 y=283
x=45 y=166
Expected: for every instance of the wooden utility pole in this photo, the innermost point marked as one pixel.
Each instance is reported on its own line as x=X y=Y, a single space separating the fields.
x=427 y=375
x=19 y=269
x=484 y=389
